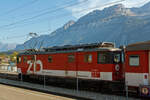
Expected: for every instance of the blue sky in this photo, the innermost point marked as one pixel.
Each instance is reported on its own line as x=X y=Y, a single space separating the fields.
x=45 y=15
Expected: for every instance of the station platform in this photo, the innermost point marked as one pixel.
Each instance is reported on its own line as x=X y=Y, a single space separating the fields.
x=15 y=93
x=64 y=91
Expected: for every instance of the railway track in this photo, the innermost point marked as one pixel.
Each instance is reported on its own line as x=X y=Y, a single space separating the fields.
x=12 y=76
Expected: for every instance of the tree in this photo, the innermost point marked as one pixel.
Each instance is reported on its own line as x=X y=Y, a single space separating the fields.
x=13 y=57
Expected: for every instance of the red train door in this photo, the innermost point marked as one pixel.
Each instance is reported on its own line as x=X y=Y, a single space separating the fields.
x=95 y=72
x=71 y=65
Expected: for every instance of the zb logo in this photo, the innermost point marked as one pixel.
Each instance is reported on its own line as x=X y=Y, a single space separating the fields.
x=34 y=63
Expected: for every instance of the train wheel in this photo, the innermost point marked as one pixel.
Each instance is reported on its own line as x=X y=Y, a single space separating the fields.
x=19 y=76
x=105 y=87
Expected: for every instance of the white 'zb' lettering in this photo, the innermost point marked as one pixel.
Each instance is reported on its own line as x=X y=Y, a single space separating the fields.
x=34 y=63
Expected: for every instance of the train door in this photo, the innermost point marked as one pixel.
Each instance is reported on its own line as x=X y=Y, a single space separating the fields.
x=95 y=71
x=71 y=65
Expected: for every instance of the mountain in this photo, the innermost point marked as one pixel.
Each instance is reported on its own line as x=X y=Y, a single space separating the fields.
x=113 y=24
x=6 y=47
x=144 y=10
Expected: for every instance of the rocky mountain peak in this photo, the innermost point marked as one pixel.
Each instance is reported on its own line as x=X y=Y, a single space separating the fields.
x=67 y=25
x=113 y=24
x=146 y=6
x=117 y=6
x=109 y=12
x=145 y=9
x=118 y=9
x=142 y=11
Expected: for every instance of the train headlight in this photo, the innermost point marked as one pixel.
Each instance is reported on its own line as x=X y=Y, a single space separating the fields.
x=145 y=90
x=117 y=67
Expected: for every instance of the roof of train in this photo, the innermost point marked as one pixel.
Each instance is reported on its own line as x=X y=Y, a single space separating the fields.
x=69 y=51
x=138 y=46
x=106 y=46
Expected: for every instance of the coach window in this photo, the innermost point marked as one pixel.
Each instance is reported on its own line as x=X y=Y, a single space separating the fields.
x=50 y=59
x=71 y=58
x=88 y=58
x=24 y=59
x=134 y=60
x=104 y=58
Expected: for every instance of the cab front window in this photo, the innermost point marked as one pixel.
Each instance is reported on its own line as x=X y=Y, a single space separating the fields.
x=117 y=58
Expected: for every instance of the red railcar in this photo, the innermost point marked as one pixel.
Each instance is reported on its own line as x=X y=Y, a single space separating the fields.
x=137 y=67
x=98 y=61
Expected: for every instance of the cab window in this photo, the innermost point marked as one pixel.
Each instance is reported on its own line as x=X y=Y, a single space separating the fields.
x=117 y=58
x=71 y=58
x=50 y=59
x=134 y=60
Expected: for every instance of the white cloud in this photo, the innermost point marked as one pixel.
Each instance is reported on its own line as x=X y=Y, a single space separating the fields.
x=135 y=3
x=85 y=7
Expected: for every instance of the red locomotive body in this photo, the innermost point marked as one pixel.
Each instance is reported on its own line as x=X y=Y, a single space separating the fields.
x=101 y=62
x=87 y=61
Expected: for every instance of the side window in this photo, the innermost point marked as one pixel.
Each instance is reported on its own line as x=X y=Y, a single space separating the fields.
x=88 y=58
x=104 y=58
x=101 y=58
x=50 y=59
x=18 y=59
x=25 y=59
x=71 y=58
x=134 y=60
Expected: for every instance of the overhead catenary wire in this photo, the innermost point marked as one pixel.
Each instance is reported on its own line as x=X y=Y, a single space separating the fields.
x=41 y=14
x=68 y=5
x=45 y=9
x=39 y=10
x=19 y=7
x=79 y=12
x=66 y=14
x=22 y=36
